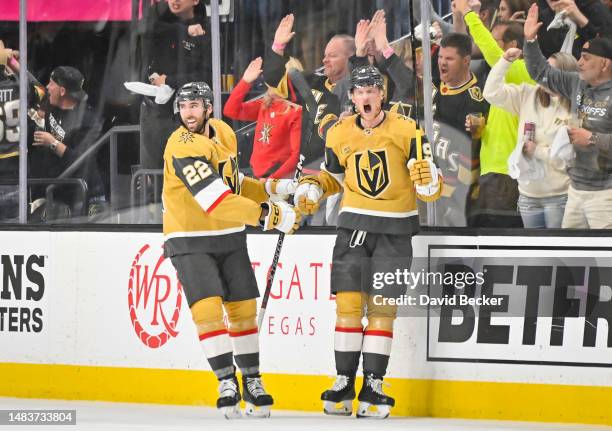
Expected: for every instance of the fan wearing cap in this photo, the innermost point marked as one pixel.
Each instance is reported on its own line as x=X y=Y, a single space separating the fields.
x=381 y=162
x=70 y=127
x=589 y=203
x=207 y=203
x=64 y=92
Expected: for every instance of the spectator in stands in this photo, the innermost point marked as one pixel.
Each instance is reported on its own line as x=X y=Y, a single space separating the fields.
x=176 y=50
x=485 y=9
x=457 y=96
x=276 y=146
x=70 y=128
x=507 y=34
x=372 y=47
x=498 y=194
x=589 y=203
x=487 y=12
x=9 y=130
x=403 y=50
x=542 y=196
x=513 y=9
x=324 y=86
x=591 y=17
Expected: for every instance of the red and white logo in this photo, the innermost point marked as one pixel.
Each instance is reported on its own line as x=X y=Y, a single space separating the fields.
x=154 y=298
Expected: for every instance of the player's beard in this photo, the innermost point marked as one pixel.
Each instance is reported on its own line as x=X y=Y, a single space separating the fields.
x=199 y=126
x=204 y=122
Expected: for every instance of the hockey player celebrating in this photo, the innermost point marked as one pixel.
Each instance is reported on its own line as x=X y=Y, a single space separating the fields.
x=374 y=158
x=208 y=248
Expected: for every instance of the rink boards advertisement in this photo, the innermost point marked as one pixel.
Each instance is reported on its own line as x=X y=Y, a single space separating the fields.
x=97 y=306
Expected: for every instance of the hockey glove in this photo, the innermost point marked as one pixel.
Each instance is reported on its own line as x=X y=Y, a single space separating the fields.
x=424 y=175
x=281 y=216
x=308 y=194
x=279 y=190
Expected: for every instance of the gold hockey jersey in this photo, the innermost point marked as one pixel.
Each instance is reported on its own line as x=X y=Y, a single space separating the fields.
x=204 y=195
x=369 y=166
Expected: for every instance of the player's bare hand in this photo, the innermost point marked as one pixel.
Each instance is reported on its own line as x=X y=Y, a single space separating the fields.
x=253 y=71
x=531 y=27
x=512 y=54
x=195 y=30
x=284 y=31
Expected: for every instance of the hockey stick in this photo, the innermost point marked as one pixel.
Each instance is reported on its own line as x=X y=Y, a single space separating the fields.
x=297 y=79
x=274 y=265
x=413 y=41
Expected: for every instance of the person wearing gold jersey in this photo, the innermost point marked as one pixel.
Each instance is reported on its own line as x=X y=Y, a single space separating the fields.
x=375 y=158
x=206 y=204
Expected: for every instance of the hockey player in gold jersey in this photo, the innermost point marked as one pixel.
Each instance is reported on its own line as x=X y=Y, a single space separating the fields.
x=206 y=204
x=374 y=158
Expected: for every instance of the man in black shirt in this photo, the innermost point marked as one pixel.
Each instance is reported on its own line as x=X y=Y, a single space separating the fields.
x=70 y=128
x=457 y=94
x=176 y=50
x=323 y=85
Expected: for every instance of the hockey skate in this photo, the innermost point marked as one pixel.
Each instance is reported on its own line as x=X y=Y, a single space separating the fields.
x=373 y=403
x=229 y=398
x=339 y=399
x=257 y=401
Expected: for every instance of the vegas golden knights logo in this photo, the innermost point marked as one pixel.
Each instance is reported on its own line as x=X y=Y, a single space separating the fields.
x=476 y=94
x=228 y=169
x=372 y=172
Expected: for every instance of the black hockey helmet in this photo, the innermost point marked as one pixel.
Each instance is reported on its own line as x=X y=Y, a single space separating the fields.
x=193 y=91
x=366 y=76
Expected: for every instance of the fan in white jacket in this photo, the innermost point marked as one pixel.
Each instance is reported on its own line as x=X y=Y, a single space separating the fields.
x=543 y=182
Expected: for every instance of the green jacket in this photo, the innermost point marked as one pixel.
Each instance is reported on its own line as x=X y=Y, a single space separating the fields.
x=500 y=135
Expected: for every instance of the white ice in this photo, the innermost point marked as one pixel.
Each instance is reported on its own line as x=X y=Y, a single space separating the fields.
x=123 y=416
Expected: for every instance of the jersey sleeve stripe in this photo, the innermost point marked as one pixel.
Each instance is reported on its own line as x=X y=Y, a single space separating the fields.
x=212 y=195
x=218 y=201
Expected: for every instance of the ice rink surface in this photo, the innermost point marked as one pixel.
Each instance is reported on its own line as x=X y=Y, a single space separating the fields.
x=122 y=416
